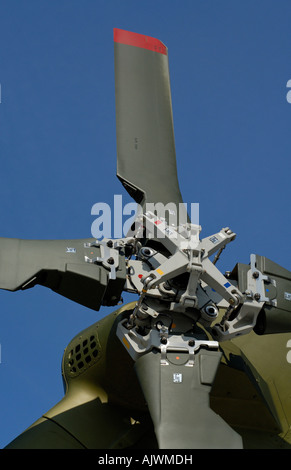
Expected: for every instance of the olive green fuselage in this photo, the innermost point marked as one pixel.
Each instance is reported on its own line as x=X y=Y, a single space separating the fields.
x=104 y=406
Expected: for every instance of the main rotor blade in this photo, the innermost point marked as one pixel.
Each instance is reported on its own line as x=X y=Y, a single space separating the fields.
x=146 y=158
x=60 y=265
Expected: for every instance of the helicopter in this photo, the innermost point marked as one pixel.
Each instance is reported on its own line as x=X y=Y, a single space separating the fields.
x=190 y=363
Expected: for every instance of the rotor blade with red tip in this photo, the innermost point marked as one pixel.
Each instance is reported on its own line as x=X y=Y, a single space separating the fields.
x=146 y=158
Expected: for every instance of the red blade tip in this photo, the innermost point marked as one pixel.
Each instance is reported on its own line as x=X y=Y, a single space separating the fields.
x=139 y=40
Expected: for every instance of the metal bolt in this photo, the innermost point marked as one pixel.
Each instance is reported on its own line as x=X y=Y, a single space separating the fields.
x=191 y=342
x=256 y=275
x=110 y=260
x=257 y=296
x=166 y=286
x=211 y=311
x=110 y=243
x=159 y=325
x=164 y=340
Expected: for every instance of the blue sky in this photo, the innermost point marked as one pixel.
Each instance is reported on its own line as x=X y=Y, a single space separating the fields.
x=230 y=62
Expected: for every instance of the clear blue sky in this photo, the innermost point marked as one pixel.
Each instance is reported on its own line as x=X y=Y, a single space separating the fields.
x=229 y=63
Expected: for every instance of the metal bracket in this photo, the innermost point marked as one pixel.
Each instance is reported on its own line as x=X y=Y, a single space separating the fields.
x=109 y=256
x=189 y=298
x=243 y=323
x=138 y=345
x=256 y=279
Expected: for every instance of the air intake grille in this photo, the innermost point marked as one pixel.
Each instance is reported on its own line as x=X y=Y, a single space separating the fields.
x=82 y=354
